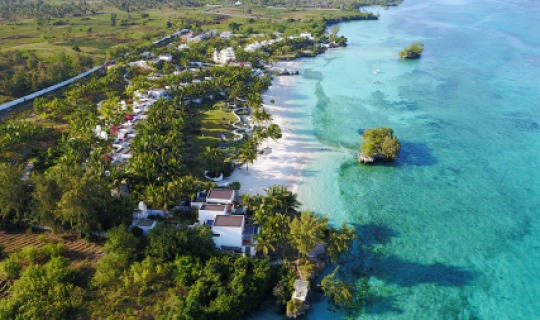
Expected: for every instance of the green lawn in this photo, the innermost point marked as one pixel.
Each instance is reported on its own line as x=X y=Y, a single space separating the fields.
x=211 y=124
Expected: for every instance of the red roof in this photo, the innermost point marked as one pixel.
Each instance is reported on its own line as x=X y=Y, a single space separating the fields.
x=229 y=221
x=222 y=194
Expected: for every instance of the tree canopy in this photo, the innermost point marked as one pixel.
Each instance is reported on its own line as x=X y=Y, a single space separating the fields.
x=179 y=270
x=412 y=52
x=13 y=193
x=43 y=291
x=380 y=143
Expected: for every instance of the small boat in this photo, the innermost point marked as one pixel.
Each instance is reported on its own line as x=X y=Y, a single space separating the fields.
x=376 y=73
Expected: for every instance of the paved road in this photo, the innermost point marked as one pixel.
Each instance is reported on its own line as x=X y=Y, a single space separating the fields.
x=39 y=93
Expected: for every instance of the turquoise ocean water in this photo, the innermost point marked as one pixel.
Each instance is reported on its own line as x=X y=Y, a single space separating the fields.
x=452 y=230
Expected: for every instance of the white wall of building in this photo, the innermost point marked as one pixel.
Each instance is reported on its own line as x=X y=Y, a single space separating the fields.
x=228 y=236
x=209 y=215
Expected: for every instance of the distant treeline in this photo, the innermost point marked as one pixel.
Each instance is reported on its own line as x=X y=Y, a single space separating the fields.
x=51 y=9
x=43 y=9
x=323 y=4
x=22 y=72
x=137 y=5
x=46 y=8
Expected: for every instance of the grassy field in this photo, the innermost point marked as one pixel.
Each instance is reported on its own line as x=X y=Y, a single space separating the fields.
x=209 y=124
x=93 y=33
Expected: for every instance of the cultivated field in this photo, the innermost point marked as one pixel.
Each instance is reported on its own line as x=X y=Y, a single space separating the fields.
x=82 y=254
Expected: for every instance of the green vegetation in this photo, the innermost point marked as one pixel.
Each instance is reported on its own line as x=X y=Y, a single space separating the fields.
x=173 y=271
x=54 y=41
x=379 y=143
x=14 y=195
x=22 y=72
x=414 y=51
x=44 y=286
x=339 y=291
x=176 y=271
x=86 y=169
x=291 y=236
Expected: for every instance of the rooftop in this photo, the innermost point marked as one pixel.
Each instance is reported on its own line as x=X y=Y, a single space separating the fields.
x=301 y=289
x=213 y=207
x=225 y=194
x=146 y=223
x=229 y=221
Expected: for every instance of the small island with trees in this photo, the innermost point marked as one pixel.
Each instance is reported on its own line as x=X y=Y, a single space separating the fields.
x=379 y=144
x=414 y=51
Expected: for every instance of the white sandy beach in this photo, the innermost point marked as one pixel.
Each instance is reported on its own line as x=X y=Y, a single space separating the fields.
x=288 y=156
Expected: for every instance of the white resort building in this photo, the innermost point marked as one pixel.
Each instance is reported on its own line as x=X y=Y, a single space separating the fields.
x=224 y=56
x=230 y=227
x=166 y=57
x=232 y=233
x=208 y=212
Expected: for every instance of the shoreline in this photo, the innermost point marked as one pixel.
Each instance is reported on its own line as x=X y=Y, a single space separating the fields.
x=288 y=156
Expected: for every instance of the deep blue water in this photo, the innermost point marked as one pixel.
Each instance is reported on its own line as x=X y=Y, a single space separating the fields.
x=452 y=230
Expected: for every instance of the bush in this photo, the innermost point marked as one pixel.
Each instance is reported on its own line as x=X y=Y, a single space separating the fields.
x=11 y=269
x=53 y=249
x=42 y=238
x=235 y=185
x=8 y=225
x=138 y=232
x=185 y=216
x=29 y=254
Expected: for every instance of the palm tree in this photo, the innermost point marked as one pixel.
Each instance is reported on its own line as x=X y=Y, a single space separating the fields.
x=155 y=196
x=340 y=292
x=279 y=226
x=262 y=214
x=261 y=116
x=254 y=100
x=264 y=243
x=273 y=132
x=260 y=134
x=186 y=186
x=214 y=160
x=247 y=153
x=339 y=240
x=234 y=92
x=250 y=201
x=306 y=232
x=284 y=200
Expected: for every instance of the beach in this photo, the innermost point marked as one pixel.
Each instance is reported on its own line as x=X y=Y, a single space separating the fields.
x=284 y=160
